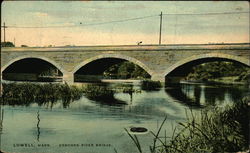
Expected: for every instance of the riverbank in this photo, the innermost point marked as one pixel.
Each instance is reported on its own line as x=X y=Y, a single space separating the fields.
x=121 y=81
x=221 y=80
x=219 y=130
x=229 y=80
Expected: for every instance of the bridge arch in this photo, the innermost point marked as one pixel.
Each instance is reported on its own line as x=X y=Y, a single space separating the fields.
x=36 y=57
x=242 y=60
x=118 y=56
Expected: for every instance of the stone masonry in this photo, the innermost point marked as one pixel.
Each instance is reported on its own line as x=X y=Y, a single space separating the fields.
x=157 y=60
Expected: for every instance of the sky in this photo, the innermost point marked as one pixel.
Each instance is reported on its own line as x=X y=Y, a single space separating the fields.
x=60 y=23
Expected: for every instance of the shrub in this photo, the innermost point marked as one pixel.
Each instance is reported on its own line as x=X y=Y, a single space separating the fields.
x=150 y=85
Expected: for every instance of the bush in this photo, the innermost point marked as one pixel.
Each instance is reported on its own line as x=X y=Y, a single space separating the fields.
x=150 y=85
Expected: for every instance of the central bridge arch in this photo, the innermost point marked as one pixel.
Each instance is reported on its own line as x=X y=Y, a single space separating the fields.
x=117 y=56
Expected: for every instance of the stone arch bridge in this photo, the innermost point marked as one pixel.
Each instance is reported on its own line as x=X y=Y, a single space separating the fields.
x=157 y=60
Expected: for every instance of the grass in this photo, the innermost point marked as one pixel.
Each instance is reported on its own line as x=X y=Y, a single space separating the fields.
x=215 y=130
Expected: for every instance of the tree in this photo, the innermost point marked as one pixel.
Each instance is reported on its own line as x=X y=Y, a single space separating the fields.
x=24 y=46
x=126 y=70
x=7 y=44
x=212 y=70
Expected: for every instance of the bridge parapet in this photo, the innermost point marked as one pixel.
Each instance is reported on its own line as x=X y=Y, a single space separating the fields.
x=176 y=47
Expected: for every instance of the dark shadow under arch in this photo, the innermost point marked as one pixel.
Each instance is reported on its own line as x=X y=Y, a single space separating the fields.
x=183 y=70
x=97 y=69
x=32 y=69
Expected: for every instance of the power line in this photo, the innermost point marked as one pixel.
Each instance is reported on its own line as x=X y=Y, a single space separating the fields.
x=214 y=13
x=130 y=19
x=90 y=24
x=211 y=13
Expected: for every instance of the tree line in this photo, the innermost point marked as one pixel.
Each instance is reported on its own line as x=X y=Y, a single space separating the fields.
x=219 y=69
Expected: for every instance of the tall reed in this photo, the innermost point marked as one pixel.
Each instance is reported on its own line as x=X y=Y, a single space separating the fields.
x=26 y=93
x=215 y=130
x=97 y=92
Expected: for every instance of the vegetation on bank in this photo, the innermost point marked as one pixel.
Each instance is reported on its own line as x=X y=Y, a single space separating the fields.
x=26 y=93
x=214 y=130
x=126 y=70
x=218 y=70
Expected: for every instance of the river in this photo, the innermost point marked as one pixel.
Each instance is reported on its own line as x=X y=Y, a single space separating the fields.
x=93 y=127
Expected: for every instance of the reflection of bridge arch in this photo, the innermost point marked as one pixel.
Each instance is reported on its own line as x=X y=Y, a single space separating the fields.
x=118 y=56
x=35 y=57
x=242 y=60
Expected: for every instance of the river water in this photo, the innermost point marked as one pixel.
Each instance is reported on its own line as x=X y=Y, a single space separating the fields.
x=93 y=127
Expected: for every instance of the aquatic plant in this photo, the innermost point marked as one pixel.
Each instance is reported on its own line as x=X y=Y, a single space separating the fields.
x=26 y=93
x=215 y=130
x=150 y=85
x=101 y=93
x=125 y=88
x=152 y=148
x=97 y=92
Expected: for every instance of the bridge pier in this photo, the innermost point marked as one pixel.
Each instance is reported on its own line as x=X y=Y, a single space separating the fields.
x=68 y=78
x=158 y=77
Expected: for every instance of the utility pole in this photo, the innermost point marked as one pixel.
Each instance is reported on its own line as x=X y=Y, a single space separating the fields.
x=160 y=28
x=4 y=32
x=1 y=87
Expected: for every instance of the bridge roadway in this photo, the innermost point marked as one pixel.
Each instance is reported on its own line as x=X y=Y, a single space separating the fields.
x=157 y=60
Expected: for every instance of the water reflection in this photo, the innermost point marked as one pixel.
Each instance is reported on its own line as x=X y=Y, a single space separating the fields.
x=112 y=94
x=79 y=120
x=200 y=95
x=182 y=94
x=105 y=93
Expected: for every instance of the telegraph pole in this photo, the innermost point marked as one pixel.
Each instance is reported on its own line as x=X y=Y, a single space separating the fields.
x=1 y=87
x=4 y=32
x=160 y=28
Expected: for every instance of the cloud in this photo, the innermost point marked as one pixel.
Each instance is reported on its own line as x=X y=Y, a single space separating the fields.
x=41 y=14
